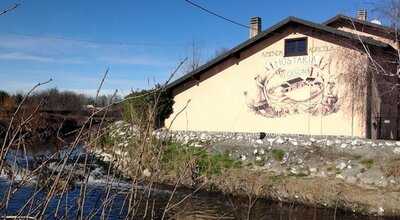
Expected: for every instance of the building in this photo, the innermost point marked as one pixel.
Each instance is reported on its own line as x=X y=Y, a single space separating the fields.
x=297 y=77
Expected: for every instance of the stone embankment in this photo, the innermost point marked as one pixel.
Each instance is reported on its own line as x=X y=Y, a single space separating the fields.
x=357 y=161
x=352 y=174
x=362 y=175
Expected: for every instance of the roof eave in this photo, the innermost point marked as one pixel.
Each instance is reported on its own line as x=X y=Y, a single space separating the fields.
x=264 y=34
x=367 y=23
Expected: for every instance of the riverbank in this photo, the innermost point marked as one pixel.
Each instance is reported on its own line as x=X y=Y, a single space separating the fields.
x=203 y=205
x=356 y=175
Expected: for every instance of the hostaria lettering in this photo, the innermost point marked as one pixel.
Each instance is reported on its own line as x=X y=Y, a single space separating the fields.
x=320 y=49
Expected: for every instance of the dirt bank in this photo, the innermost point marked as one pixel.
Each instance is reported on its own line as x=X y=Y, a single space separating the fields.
x=356 y=175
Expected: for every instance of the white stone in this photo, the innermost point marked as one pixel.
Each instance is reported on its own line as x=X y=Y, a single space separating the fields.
x=118 y=152
x=341 y=166
x=186 y=140
x=255 y=151
x=343 y=145
x=243 y=157
x=258 y=158
x=259 y=141
x=398 y=143
x=380 y=211
x=329 y=143
x=280 y=141
x=389 y=144
x=107 y=157
x=198 y=145
x=271 y=140
x=313 y=170
x=146 y=172
x=396 y=150
x=339 y=176
x=262 y=152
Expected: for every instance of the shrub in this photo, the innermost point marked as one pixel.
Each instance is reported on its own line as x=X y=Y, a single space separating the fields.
x=278 y=154
x=148 y=107
x=3 y=96
x=368 y=163
x=6 y=101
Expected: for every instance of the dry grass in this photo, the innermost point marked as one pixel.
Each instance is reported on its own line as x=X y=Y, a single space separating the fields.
x=57 y=183
x=393 y=168
x=332 y=193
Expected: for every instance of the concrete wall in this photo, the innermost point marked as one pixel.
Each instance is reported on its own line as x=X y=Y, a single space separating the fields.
x=243 y=93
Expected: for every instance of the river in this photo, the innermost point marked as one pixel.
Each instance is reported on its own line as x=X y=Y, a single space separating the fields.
x=28 y=201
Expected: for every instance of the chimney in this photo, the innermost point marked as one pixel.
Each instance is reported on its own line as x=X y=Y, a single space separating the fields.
x=362 y=14
x=255 y=26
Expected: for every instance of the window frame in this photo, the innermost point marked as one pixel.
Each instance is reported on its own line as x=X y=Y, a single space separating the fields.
x=303 y=53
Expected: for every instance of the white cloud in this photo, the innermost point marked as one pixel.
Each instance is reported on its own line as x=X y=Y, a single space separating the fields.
x=36 y=58
x=23 y=56
x=42 y=58
x=34 y=43
x=134 y=60
x=59 y=50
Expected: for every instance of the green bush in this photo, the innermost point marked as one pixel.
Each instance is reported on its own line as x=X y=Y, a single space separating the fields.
x=278 y=154
x=368 y=163
x=176 y=157
x=148 y=106
x=3 y=96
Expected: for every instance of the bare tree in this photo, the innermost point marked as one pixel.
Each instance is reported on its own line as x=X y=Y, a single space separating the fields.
x=194 y=57
x=220 y=51
x=388 y=10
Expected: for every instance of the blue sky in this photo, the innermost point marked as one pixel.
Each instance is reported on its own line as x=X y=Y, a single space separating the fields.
x=74 y=41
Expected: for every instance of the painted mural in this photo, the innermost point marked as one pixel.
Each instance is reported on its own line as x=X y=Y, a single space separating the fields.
x=295 y=85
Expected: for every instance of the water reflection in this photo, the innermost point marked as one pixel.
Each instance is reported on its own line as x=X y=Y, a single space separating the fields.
x=201 y=206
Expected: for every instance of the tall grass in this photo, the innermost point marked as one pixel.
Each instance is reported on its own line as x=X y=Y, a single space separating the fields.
x=53 y=178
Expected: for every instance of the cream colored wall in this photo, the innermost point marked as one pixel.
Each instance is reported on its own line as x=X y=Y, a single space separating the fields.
x=221 y=102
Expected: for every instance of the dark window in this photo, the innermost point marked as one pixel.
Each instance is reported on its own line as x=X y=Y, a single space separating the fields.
x=295 y=47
